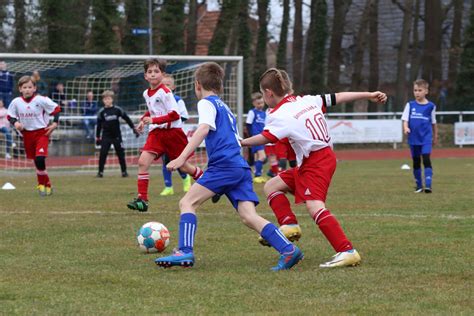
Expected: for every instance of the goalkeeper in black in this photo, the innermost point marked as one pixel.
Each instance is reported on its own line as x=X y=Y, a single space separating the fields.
x=108 y=132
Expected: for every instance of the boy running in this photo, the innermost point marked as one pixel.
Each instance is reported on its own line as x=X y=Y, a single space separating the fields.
x=165 y=135
x=227 y=173
x=301 y=119
x=29 y=114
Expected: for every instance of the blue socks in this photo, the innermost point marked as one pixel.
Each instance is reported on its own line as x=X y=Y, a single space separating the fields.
x=167 y=177
x=182 y=174
x=258 y=168
x=428 y=177
x=417 y=174
x=187 y=231
x=276 y=239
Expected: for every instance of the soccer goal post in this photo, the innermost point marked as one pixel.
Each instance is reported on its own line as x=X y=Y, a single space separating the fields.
x=77 y=81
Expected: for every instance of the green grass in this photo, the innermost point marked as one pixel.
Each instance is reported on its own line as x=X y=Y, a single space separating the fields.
x=75 y=252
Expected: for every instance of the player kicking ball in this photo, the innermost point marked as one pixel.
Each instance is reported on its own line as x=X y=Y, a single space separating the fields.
x=301 y=119
x=227 y=174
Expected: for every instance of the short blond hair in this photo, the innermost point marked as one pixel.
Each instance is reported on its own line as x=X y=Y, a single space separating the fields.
x=421 y=83
x=108 y=93
x=26 y=79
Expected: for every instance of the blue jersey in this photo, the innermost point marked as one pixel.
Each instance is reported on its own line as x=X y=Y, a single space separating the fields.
x=420 y=119
x=222 y=144
x=256 y=121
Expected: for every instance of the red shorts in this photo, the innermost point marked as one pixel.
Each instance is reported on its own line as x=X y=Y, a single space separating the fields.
x=36 y=143
x=311 y=180
x=270 y=150
x=166 y=141
x=283 y=150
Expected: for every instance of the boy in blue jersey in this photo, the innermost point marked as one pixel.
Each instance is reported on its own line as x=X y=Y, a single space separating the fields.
x=227 y=173
x=255 y=124
x=419 y=123
x=168 y=81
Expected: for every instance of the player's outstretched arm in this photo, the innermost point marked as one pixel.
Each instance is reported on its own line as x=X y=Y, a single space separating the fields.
x=197 y=138
x=255 y=140
x=377 y=97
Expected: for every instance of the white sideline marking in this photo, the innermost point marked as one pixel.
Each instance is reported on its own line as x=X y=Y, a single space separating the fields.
x=125 y=212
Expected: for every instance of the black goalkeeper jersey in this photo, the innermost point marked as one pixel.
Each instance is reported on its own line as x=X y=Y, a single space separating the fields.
x=108 y=121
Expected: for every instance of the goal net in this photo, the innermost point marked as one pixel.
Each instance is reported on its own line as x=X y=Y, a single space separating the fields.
x=76 y=82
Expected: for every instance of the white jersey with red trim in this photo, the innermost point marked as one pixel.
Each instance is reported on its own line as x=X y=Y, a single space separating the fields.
x=161 y=101
x=33 y=114
x=301 y=119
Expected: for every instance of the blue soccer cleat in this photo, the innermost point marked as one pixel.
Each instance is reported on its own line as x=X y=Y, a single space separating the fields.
x=178 y=258
x=287 y=261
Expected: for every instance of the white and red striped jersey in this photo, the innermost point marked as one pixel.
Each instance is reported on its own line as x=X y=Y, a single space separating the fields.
x=33 y=114
x=161 y=101
x=301 y=119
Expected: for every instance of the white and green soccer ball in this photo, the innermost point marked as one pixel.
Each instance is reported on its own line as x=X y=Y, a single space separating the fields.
x=153 y=237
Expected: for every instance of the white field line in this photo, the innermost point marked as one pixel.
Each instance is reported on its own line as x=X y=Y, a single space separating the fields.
x=380 y=215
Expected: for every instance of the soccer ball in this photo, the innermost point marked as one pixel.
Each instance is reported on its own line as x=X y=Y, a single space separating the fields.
x=153 y=237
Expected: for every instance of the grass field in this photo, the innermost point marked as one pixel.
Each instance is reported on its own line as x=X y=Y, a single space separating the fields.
x=75 y=252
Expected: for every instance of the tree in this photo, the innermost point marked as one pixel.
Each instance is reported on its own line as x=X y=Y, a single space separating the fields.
x=373 y=51
x=3 y=17
x=244 y=48
x=19 y=27
x=262 y=39
x=172 y=27
x=400 y=92
x=221 y=38
x=455 y=49
x=432 y=49
x=416 y=55
x=298 y=46
x=360 y=40
x=281 y=53
x=105 y=32
x=314 y=72
x=191 y=28
x=136 y=16
x=66 y=25
x=335 y=58
x=464 y=92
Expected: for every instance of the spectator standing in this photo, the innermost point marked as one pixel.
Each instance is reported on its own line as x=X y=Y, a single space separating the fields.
x=5 y=129
x=89 y=108
x=6 y=84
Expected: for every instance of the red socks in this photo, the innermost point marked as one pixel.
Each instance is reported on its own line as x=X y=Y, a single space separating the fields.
x=274 y=168
x=197 y=173
x=43 y=178
x=331 y=228
x=281 y=207
x=142 y=183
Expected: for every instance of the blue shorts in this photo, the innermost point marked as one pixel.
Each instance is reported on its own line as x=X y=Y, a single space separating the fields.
x=255 y=149
x=418 y=150
x=235 y=183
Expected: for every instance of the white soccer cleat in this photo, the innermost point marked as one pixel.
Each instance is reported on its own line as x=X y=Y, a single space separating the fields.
x=348 y=258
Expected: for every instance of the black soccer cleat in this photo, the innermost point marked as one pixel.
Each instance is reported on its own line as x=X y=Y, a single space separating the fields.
x=138 y=205
x=216 y=198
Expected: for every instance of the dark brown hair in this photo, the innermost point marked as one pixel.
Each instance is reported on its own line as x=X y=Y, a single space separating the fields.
x=155 y=62
x=211 y=77
x=276 y=80
x=26 y=79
